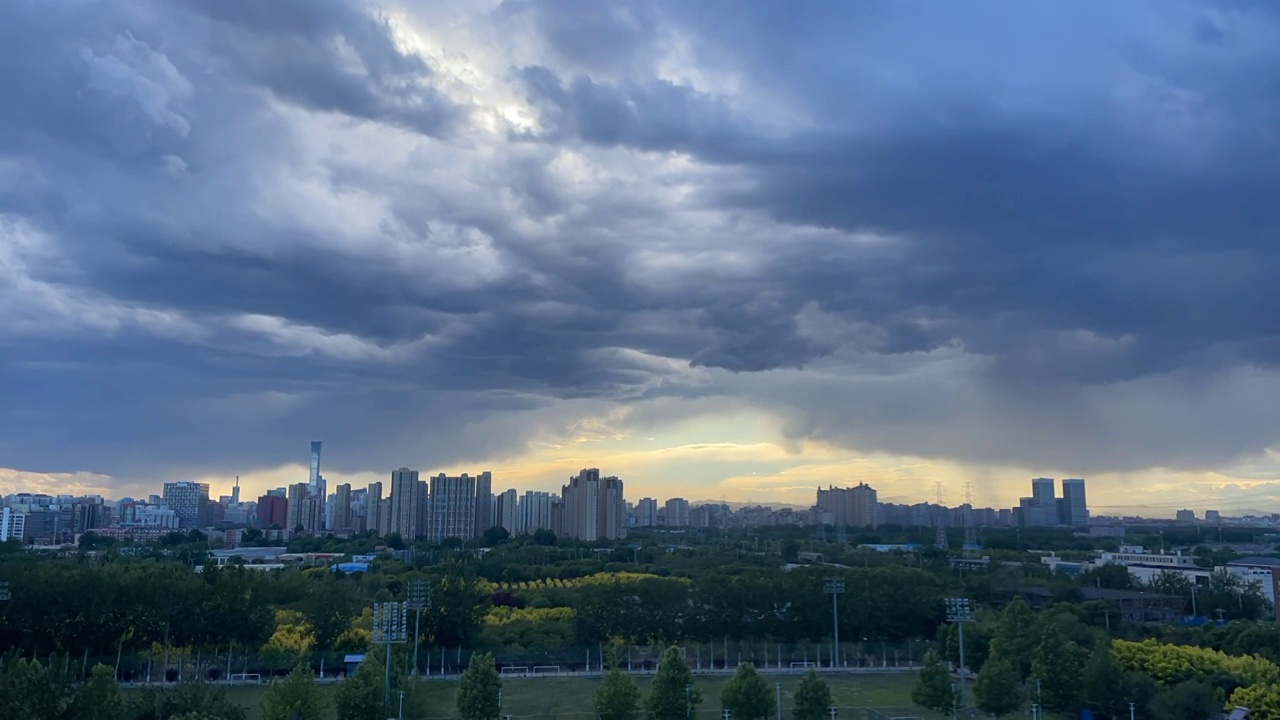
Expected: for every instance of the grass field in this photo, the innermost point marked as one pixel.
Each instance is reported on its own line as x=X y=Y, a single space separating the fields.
x=571 y=698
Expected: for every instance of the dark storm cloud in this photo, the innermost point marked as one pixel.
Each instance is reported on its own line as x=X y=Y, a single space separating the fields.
x=1019 y=224
x=332 y=55
x=230 y=226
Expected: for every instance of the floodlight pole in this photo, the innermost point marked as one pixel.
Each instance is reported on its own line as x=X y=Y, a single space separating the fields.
x=959 y=611
x=419 y=600
x=834 y=586
x=390 y=626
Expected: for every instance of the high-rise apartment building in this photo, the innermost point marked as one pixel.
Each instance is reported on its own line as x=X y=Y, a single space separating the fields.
x=647 y=512
x=1075 y=508
x=273 y=511
x=612 y=509
x=452 y=510
x=312 y=515
x=484 y=503
x=676 y=513
x=505 y=511
x=187 y=501
x=404 y=504
x=342 y=507
x=581 y=499
x=534 y=512
x=849 y=507
x=295 y=507
x=12 y=525
x=423 y=512
x=373 y=511
x=593 y=507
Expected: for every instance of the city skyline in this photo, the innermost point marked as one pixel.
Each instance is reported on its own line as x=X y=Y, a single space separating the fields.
x=968 y=246
x=793 y=496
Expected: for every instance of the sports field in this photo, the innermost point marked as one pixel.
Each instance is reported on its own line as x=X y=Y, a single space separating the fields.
x=571 y=698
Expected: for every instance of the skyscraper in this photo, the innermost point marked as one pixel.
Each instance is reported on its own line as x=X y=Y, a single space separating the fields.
x=404 y=504
x=676 y=513
x=484 y=503
x=1044 y=502
x=186 y=500
x=594 y=507
x=1075 y=509
x=342 y=507
x=297 y=510
x=581 y=505
x=647 y=512
x=452 y=510
x=504 y=511
x=313 y=480
x=534 y=512
x=373 y=513
x=612 y=510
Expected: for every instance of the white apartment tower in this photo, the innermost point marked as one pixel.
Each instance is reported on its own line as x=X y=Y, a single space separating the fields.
x=12 y=525
x=533 y=512
x=452 y=507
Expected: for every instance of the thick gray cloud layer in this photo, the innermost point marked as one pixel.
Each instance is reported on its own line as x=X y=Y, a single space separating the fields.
x=1005 y=233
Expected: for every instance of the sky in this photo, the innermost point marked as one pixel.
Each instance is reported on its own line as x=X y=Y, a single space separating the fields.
x=724 y=249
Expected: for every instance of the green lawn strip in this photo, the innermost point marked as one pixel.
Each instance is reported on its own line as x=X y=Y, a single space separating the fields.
x=572 y=698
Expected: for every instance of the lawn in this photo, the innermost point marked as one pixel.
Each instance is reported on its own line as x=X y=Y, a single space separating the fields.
x=571 y=698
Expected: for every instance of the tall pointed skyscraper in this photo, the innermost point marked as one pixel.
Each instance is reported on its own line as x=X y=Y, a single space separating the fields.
x=313 y=480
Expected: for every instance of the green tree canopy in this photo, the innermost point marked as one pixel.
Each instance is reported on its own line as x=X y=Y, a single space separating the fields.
x=1103 y=687
x=671 y=695
x=813 y=698
x=479 y=690
x=1014 y=638
x=934 y=689
x=297 y=697
x=99 y=697
x=1057 y=668
x=998 y=689
x=360 y=696
x=1190 y=700
x=747 y=696
x=618 y=697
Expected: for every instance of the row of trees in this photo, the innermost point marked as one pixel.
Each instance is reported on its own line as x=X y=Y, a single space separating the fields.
x=127 y=607
x=1052 y=659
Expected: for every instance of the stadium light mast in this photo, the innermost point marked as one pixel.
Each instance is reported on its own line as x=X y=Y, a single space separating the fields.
x=390 y=627
x=834 y=586
x=419 y=600
x=959 y=611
